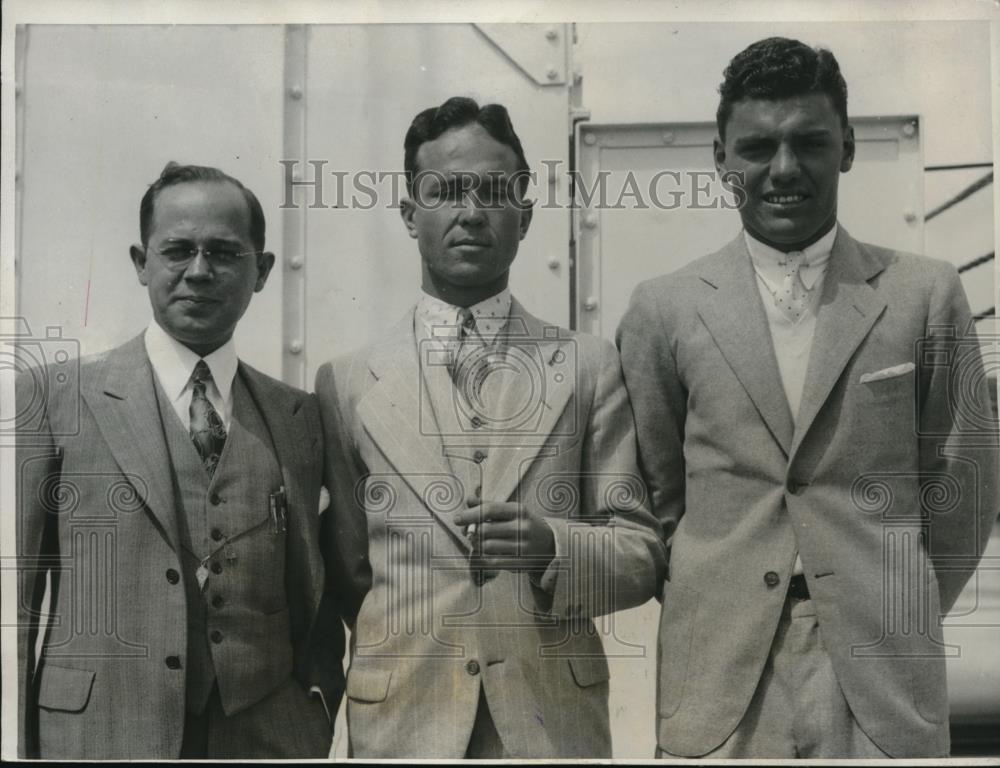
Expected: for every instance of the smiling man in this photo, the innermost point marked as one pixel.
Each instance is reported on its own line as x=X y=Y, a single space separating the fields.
x=172 y=502
x=486 y=501
x=814 y=427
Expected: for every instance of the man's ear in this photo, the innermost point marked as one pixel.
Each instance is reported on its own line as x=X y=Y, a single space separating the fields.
x=527 y=209
x=407 y=209
x=138 y=254
x=719 y=154
x=265 y=260
x=848 y=159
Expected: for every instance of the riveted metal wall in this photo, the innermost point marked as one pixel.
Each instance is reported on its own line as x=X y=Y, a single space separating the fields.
x=105 y=108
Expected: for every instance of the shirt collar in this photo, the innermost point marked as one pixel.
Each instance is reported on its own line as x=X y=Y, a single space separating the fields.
x=174 y=363
x=441 y=318
x=769 y=262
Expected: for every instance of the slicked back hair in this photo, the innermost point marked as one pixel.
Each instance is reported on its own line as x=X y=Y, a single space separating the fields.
x=780 y=68
x=457 y=112
x=175 y=173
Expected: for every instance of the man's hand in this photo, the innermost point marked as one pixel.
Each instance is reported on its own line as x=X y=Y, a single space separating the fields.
x=507 y=536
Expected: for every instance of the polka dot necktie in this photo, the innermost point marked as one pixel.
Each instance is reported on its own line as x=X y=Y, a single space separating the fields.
x=207 y=430
x=792 y=297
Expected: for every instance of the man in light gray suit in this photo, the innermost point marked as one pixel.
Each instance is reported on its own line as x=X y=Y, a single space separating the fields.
x=486 y=502
x=172 y=501
x=814 y=426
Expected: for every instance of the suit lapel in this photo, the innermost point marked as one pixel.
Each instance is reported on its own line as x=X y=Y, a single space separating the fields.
x=547 y=370
x=849 y=308
x=736 y=319
x=122 y=398
x=399 y=417
x=284 y=415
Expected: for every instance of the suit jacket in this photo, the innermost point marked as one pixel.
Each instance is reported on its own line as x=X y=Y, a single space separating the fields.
x=97 y=514
x=885 y=485
x=425 y=636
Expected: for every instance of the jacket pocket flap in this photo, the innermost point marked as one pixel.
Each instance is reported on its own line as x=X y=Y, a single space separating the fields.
x=589 y=670
x=65 y=688
x=369 y=685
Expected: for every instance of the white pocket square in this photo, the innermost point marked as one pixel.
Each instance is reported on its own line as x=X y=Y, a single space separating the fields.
x=887 y=373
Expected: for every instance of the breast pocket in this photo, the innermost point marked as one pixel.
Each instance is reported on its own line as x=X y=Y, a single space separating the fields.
x=900 y=387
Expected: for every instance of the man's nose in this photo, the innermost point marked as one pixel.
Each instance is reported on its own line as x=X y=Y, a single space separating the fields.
x=785 y=163
x=471 y=211
x=198 y=268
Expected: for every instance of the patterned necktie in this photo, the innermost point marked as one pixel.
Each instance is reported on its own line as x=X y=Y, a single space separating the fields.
x=207 y=430
x=461 y=363
x=793 y=297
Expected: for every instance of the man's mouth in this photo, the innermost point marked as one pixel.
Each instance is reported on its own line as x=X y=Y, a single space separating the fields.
x=775 y=198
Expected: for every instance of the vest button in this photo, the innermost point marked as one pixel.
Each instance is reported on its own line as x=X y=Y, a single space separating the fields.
x=772 y=579
x=217 y=601
x=479 y=457
x=216 y=567
x=214 y=498
x=472 y=667
x=216 y=534
x=216 y=636
x=172 y=662
x=172 y=576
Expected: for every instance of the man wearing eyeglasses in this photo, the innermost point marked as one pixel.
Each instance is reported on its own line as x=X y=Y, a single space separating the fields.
x=192 y=482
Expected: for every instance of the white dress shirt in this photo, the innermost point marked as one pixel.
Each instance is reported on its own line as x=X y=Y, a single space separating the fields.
x=173 y=364
x=439 y=319
x=792 y=341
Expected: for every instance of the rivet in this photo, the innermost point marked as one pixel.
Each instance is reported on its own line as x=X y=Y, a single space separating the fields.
x=551 y=33
x=668 y=137
x=553 y=263
x=590 y=221
x=552 y=73
x=296 y=262
x=295 y=92
x=909 y=129
x=909 y=216
x=590 y=139
x=590 y=304
x=295 y=347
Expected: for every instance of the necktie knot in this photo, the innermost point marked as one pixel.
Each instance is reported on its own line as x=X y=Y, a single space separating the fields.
x=466 y=323
x=794 y=261
x=201 y=374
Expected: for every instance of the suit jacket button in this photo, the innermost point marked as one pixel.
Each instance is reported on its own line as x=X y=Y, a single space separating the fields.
x=173 y=662
x=772 y=579
x=216 y=636
x=216 y=534
x=216 y=567
x=214 y=498
x=472 y=667
x=172 y=576
x=218 y=601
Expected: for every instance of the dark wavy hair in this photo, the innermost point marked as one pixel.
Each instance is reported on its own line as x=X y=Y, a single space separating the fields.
x=779 y=68
x=174 y=173
x=456 y=112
